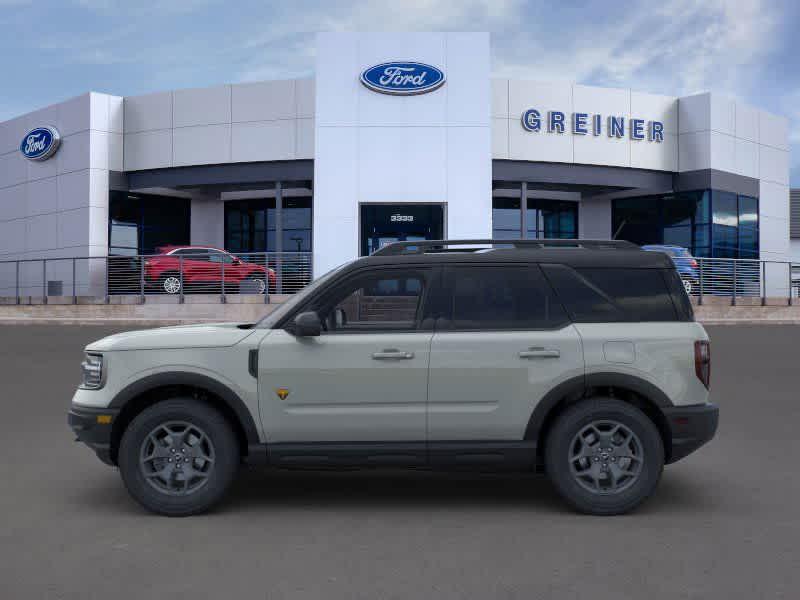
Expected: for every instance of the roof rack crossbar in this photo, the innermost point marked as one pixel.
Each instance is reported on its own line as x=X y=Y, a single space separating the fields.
x=423 y=246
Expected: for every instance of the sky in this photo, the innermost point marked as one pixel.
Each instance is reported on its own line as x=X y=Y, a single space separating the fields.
x=51 y=50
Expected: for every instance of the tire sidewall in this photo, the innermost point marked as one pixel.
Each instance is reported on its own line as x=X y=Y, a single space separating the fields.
x=576 y=418
x=197 y=413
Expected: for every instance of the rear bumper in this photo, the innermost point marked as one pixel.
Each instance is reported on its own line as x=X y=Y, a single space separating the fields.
x=84 y=423
x=691 y=427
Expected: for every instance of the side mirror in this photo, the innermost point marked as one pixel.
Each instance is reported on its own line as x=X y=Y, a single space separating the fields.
x=307 y=324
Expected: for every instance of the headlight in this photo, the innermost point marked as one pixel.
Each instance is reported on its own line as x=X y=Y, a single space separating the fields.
x=92 y=371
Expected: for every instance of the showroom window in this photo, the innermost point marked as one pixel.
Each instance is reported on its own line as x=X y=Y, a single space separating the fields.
x=141 y=223
x=515 y=210
x=278 y=222
x=708 y=223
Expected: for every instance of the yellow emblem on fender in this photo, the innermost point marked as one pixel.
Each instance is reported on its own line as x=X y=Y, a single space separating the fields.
x=283 y=393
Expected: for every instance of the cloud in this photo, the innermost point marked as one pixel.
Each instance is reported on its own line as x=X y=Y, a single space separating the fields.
x=676 y=47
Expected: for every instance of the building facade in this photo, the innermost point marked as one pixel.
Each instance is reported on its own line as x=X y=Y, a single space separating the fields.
x=397 y=136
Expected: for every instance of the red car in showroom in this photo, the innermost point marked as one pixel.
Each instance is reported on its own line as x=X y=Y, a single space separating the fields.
x=203 y=268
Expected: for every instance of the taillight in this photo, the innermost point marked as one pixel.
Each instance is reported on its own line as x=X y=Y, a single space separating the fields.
x=702 y=361
x=693 y=263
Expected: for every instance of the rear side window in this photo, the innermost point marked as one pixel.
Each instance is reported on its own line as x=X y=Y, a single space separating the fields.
x=500 y=298
x=593 y=295
x=680 y=298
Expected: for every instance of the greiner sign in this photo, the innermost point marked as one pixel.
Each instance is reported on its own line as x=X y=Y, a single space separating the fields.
x=593 y=124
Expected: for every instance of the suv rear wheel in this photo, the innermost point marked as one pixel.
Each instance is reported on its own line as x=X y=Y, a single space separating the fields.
x=178 y=457
x=604 y=456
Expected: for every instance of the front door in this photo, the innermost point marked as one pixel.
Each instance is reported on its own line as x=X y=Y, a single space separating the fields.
x=365 y=379
x=502 y=342
x=382 y=224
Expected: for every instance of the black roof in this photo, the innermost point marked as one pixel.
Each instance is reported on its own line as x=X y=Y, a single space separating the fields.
x=575 y=253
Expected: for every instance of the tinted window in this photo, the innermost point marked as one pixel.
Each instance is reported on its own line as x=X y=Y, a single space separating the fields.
x=219 y=257
x=680 y=299
x=192 y=254
x=584 y=301
x=374 y=302
x=493 y=298
x=605 y=294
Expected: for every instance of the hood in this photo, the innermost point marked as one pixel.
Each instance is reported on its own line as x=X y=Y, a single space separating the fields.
x=214 y=335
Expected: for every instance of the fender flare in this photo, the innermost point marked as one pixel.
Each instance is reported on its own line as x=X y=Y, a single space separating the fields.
x=577 y=386
x=222 y=391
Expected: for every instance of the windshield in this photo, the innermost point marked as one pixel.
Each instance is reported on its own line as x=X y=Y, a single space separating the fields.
x=268 y=321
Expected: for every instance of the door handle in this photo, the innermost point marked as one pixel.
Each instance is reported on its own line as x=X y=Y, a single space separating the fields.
x=540 y=353
x=392 y=355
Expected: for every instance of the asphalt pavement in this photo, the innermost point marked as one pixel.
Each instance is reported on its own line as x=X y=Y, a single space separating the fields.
x=724 y=523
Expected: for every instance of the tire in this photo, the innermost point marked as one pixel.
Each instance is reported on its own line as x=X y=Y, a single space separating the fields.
x=592 y=490
x=257 y=284
x=194 y=494
x=169 y=283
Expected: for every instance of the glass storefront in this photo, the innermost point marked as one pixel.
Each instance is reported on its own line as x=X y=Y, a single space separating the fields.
x=140 y=223
x=514 y=211
x=278 y=222
x=383 y=224
x=708 y=223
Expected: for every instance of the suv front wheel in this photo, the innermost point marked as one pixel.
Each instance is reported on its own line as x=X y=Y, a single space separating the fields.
x=604 y=456
x=178 y=457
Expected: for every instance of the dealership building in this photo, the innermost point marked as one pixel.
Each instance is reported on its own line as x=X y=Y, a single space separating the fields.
x=397 y=136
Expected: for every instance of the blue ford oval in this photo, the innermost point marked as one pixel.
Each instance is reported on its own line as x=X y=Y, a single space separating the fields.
x=40 y=143
x=402 y=78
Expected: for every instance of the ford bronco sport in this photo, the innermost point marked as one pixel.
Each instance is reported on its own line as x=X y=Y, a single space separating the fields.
x=579 y=358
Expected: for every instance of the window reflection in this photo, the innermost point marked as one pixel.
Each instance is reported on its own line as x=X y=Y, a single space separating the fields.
x=708 y=223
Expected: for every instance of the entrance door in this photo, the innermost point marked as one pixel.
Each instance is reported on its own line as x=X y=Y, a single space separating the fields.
x=382 y=224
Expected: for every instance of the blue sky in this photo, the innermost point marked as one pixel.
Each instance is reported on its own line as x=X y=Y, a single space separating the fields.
x=747 y=49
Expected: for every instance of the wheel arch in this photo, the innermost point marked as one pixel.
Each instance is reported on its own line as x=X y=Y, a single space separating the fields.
x=628 y=388
x=141 y=394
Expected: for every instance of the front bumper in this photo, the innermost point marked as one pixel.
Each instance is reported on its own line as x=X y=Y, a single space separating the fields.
x=94 y=432
x=691 y=427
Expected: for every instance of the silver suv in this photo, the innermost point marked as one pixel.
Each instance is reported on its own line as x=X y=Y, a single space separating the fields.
x=578 y=358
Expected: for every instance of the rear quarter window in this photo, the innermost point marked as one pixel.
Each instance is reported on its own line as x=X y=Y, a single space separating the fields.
x=597 y=294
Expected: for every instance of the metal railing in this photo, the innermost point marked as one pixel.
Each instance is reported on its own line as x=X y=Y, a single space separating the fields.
x=735 y=279
x=220 y=276
x=168 y=275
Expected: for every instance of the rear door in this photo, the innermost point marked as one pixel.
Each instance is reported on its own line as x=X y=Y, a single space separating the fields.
x=502 y=342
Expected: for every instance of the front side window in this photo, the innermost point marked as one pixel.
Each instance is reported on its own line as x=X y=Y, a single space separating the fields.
x=216 y=256
x=380 y=301
x=501 y=298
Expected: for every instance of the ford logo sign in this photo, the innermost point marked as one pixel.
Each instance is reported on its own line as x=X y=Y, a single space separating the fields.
x=402 y=78
x=40 y=143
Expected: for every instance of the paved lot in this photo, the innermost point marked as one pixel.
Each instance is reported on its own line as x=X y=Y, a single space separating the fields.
x=725 y=523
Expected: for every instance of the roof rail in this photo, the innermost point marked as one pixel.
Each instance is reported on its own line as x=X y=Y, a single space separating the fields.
x=424 y=246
